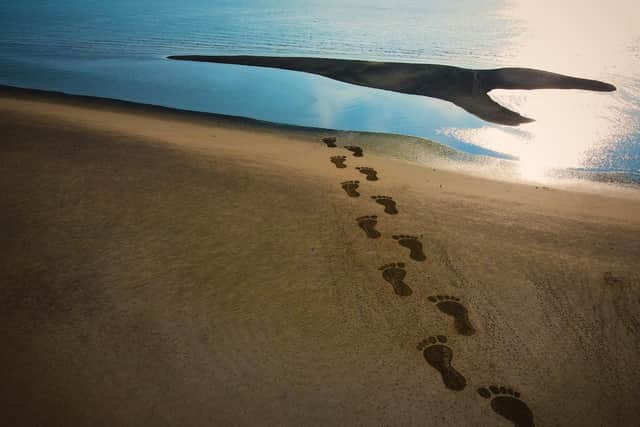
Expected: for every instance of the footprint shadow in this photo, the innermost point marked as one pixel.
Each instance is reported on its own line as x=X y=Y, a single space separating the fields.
x=507 y=403
x=451 y=306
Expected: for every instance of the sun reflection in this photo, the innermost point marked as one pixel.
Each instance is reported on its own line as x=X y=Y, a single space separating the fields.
x=573 y=129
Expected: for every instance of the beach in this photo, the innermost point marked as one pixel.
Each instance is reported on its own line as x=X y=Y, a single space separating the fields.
x=162 y=267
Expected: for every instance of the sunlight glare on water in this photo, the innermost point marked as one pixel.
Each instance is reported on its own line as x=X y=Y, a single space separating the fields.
x=117 y=49
x=573 y=129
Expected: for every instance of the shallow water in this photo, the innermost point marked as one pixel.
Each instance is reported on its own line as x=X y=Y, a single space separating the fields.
x=116 y=49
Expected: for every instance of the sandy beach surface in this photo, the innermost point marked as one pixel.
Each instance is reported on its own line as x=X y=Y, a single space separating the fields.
x=167 y=268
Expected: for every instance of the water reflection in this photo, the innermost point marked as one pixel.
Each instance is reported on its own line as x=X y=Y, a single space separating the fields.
x=572 y=129
x=113 y=49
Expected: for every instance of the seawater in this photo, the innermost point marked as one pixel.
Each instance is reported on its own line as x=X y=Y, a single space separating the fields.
x=117 y=49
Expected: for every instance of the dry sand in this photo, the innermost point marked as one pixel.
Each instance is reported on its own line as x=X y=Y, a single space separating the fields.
x=166 y=268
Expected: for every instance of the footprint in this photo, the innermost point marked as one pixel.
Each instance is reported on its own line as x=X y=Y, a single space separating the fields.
x=508 y=404
x=612 y=280
x=357 y=151
x=368 y=224
x=330 y=141
x=372 y=174
x=339 y=161
x=414 y=245
x=451 y=306
x=388 y=203
x=394 y=273
x=439 y=356
x=350 y=187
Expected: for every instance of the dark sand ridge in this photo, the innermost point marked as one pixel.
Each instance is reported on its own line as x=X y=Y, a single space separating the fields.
x=167 y=268
x=464 y=87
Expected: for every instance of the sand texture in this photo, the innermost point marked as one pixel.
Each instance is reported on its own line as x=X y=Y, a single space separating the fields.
x=163 y=268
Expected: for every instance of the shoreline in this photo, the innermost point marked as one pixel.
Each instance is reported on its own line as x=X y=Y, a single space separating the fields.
x=415 y=149
x=216 y=118
x=163 y=268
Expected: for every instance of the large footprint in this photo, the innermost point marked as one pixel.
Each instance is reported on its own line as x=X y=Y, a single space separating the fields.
x=414 y=245
x=368 y=224
x=394 y=273
x=438 y=355
x=330 y=141
x=357 y=151
x=452 y=306
x=507 y=403
x=351 y=188
x=339 y=161
x=371 y=173
x=388 y=203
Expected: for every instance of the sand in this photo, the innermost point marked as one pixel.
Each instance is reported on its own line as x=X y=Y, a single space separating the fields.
x=167 y=268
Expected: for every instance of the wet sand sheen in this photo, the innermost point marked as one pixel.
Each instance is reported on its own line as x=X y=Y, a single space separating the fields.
x=166 y=267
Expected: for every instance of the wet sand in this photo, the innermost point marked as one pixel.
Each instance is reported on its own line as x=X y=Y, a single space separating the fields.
x=466 y=88
x=167 y=268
